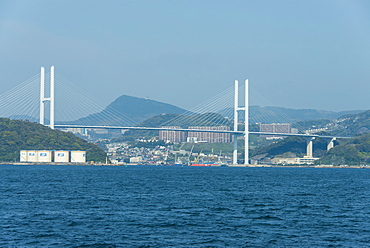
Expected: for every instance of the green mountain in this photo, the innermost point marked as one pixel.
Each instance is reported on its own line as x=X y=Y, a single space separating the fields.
x=128 y=108
x=19 y=135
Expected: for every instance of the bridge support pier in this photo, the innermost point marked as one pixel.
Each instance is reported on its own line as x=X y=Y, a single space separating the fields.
x=236 y=120
x=330 y=143
x=235 y=152
x=309 y=147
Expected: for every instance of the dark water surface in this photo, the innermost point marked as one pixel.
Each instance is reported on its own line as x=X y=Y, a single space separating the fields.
x=142 y=206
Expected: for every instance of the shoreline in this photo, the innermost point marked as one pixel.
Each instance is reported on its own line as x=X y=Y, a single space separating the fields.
x=312 y=166
x=231 y=166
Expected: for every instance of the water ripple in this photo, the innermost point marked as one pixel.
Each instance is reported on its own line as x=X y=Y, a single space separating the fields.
x=83 y=206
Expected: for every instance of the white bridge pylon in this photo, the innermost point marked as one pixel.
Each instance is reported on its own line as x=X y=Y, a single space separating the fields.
x=50 y=99
x=237 y=108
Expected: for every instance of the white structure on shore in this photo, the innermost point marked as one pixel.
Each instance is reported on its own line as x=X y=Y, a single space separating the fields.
x=48 y=156
x=61 y=156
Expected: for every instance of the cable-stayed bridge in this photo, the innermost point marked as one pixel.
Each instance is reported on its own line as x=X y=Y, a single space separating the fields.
x=52 y=100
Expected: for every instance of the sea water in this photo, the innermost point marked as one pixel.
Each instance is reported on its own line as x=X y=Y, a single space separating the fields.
x=149 y=206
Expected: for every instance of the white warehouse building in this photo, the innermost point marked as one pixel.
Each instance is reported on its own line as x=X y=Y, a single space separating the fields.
x=78 y=156
x=48 y=156
x=43 y=156
x=61 y=156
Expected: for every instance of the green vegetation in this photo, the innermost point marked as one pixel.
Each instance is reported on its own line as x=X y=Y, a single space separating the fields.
x=356 y=124
x=295 y=145
x=19 y=135
x=310 y=124
x=353 y=151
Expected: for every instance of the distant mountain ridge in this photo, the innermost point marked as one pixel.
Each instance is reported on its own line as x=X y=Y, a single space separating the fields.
x=140 y=109
x=271 y=114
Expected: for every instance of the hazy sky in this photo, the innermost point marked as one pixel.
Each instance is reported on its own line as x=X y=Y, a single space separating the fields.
x=299 y=54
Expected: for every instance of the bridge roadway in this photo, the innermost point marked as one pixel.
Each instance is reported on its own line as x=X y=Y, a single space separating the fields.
x=197 y=130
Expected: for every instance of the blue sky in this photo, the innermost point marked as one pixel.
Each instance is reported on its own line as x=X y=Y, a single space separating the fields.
x=298 y=54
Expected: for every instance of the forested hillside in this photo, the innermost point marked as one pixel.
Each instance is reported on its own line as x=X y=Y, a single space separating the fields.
x=354 y=124
x=353 y=151
x=19 y=135
x=293 y=145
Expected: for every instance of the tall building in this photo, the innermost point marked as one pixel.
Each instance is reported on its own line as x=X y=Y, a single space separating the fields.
x=275 y=128
x=194 y=137
x=209 y=136
x=172 y=136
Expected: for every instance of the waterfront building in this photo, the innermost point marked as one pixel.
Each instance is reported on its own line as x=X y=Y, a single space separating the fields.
x=138 y=159
x=56 y=156
x=209 y=137
x=195 y=137
x=78 y=156
x=61 y=156
x=291 y=161
x=275 y=128
x=172 y=136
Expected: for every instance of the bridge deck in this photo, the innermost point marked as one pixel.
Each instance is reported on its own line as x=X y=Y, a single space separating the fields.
x=197 y=130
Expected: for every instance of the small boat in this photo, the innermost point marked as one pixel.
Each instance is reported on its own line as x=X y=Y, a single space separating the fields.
x=177 y=164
